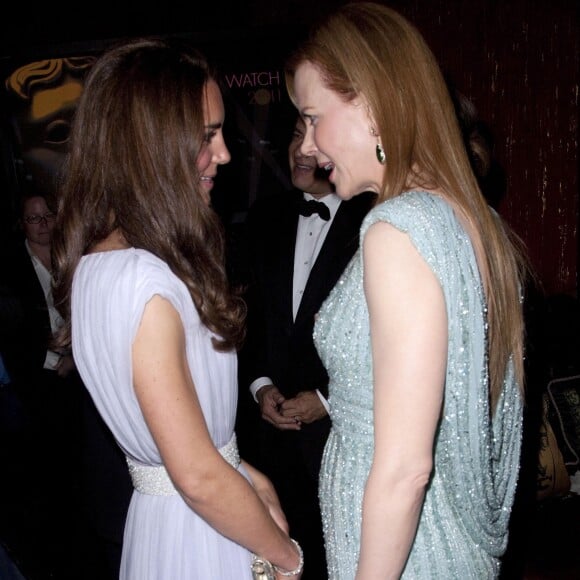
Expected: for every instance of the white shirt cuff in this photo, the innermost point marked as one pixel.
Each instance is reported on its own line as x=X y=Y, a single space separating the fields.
x=323 y=401
x=265 y=381
x=258 y=384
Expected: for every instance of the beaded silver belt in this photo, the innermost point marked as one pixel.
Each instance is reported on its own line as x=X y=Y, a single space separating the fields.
x=154 y=480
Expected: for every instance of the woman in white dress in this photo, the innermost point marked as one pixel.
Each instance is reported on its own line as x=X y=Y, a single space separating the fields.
x=154 y=328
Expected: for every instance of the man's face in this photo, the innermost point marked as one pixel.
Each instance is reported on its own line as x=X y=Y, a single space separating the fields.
x=304 y=171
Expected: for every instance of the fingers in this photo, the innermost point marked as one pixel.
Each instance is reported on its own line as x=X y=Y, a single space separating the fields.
x=284 y=423
x=294 y=407
x=289 y=414
x=280 y=421
x=278 y=516
x=270 y=398
x=306 y=407
x=290 y=426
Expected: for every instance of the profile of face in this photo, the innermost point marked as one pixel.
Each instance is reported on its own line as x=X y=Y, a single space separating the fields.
x=214 y=151
x=304 y=171
x=37 y=221
x=339 y=134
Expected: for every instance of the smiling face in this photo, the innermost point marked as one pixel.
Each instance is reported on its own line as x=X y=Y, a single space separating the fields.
x=338 y=134
x=304 y=170
x=214 y=151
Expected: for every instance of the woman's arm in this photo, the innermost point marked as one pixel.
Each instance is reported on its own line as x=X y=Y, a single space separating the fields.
x=210 y=486
x=408 y=325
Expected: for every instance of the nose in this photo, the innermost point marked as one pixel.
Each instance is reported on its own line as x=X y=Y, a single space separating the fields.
x=221 y=154
x=308 y=147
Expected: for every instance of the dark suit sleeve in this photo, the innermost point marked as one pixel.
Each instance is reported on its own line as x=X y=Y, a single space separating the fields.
x=252 y=356
x=24 y=317
x=252 y=360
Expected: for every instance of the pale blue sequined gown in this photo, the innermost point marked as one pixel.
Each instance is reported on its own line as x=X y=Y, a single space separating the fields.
x=462 y=531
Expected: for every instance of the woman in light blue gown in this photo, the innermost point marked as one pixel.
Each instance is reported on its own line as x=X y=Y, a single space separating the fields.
x=422 y=336
x=154 y=328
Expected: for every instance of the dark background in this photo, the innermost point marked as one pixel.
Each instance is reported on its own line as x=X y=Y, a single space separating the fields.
x=516 y=60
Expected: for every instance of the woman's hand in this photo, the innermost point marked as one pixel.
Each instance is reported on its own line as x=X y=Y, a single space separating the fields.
x=266 y=492
x=268 y=495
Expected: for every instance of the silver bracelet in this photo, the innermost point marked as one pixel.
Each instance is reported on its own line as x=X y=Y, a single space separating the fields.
x=298 y=568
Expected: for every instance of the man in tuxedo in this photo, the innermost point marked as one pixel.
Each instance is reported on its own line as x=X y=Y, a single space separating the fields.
x=299 y=243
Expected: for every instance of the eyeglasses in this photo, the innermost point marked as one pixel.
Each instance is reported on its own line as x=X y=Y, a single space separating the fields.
x=36 y=219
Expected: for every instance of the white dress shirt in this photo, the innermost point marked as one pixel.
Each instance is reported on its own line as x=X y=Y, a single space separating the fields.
x=45 y=279
x=310 y=236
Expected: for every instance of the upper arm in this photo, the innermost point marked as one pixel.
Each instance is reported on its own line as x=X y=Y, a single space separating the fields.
x=408 y=326
x=166 y=394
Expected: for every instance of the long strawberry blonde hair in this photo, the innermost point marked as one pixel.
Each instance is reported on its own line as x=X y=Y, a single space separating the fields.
x=368 y=49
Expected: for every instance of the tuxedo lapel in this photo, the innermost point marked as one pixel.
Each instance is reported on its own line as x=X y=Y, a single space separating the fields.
x=28 y=284
x=331 y=260
x=282 y=259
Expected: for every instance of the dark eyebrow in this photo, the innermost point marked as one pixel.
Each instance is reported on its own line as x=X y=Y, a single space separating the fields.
x=214 y=126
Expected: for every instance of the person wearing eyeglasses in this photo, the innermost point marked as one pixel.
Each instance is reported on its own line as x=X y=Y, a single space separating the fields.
x=49 y=390
x=30 y=275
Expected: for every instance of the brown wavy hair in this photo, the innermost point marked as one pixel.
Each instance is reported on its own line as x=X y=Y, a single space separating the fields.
x=131 y=166
x=368 y=49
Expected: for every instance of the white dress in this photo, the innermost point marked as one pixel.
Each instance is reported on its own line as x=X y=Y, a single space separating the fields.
x=164 y=539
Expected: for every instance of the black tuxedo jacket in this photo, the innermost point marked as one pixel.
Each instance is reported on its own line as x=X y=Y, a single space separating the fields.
x=276 y=345
x=25 y=335
x=24 y=317
x=283 y=349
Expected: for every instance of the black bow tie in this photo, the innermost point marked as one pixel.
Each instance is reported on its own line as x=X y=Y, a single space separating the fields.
x=307 y=208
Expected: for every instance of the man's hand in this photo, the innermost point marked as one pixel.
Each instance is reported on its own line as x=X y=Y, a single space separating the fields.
x=65 y=365
x=305 y=407
x=270 y=400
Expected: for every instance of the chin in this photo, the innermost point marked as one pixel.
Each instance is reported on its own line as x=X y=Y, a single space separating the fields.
x=343 y=192
x=302 y=184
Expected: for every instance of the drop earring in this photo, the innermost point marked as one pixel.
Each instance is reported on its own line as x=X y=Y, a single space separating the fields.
x=379 y=151
x=381 y=157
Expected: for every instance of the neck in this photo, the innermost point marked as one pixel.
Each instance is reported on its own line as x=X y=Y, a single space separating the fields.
x=114 y=241
x=319 y=195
